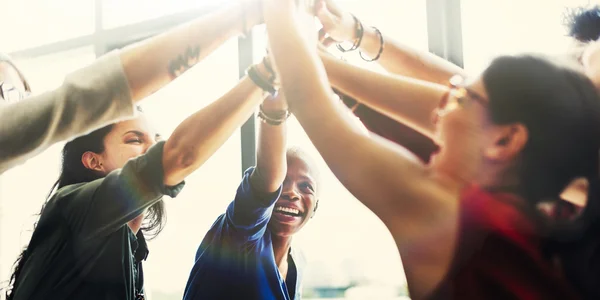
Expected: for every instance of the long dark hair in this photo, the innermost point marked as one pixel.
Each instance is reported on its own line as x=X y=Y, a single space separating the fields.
x=560 y=108
x=73 y=172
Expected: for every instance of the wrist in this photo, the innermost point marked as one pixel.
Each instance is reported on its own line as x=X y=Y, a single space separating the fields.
x=271 y=115
x=357 y=36
x=274 y=104
x=250 y=15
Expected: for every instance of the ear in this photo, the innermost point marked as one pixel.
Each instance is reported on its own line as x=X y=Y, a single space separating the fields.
x=577 y=191
x=92 y=161
x=506 y=142
x=315 y=209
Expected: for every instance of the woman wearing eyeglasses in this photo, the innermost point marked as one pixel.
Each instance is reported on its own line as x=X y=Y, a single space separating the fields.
x=467 y=225
x=107 y=90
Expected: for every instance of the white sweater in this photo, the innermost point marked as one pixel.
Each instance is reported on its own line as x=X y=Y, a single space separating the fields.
x=89 y=98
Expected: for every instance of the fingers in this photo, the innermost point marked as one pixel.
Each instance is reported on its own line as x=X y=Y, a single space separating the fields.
x=332 y=7
x=325 y=16
x=324 y=39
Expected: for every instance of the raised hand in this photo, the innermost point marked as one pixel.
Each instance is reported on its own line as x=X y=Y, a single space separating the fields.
x=338 y=25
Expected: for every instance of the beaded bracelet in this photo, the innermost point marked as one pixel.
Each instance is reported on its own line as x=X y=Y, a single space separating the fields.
x=274 y=118
x=262 y=83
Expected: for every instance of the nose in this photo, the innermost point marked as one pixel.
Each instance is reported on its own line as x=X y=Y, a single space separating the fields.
x=435 y=116
x=290 y=193
x=150 y=143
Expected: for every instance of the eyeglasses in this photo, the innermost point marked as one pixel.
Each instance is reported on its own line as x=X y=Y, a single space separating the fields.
x=458 y=96
x=10 y=93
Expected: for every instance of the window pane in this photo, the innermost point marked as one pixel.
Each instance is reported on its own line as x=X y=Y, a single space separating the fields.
x=29 y=23
x=118 y=13
x=23 y=189
x=209 y=190
x=492 y=28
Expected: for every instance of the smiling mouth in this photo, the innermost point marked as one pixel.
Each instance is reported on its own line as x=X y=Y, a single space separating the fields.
x=288 y=211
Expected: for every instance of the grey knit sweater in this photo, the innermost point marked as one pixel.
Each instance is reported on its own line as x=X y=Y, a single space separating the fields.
x=88 y=99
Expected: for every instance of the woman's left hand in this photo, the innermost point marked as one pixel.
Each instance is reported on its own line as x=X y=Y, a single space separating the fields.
x=338 y=25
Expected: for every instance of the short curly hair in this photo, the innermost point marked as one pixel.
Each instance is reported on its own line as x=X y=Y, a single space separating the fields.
x=583 y=24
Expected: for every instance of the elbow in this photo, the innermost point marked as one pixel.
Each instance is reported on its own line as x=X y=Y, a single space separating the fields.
x=178 y=161
x=267 y=181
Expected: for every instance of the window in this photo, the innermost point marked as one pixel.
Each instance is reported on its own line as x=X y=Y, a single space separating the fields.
x=492 y=28
x=118 y=13
x=30 y=23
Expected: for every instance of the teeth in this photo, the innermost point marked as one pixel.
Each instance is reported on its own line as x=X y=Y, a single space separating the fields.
x=287 y=209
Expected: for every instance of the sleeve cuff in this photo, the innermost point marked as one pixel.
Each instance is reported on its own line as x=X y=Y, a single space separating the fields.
x=263 y=199
x=106 y=77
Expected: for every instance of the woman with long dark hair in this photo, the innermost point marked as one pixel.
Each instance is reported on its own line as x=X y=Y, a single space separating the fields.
x=89 y=242
x=468 y=224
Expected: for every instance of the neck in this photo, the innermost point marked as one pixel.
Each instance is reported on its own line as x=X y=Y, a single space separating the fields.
x=281 y=248
x=498 y=179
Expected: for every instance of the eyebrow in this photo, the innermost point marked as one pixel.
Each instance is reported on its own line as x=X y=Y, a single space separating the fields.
x=136 y=132
x=306 y=177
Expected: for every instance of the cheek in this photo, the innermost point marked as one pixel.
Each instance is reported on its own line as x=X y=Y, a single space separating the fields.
x=117 y=158
x=460 y=132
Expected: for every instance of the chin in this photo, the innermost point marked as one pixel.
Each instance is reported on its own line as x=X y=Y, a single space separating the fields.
x=282 y=230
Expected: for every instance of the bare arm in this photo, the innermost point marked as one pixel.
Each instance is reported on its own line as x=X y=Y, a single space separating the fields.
x=391 y=182
x=396 y=57
x=199 y=136
x=401 y=59
x=406 y=100
x=271 y=165
x=151 y=64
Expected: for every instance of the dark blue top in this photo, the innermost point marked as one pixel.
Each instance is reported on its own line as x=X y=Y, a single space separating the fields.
x=235 y=259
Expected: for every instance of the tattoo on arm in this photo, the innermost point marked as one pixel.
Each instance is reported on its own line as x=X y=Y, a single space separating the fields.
x=184 y=61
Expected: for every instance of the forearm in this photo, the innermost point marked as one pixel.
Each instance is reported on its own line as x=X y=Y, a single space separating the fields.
x=304 y=82
x=200 y=135
x=403 y=99
x=153 y=63
x=401 y=59
x=391 y=182
x=271 y=165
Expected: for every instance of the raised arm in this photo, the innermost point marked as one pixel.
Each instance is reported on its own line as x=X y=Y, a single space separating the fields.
x=395 y=57
x=406 y=100
x=391 y=182
x=199 y=136
x=271 y=165
x=154 y=62
x=249 y=213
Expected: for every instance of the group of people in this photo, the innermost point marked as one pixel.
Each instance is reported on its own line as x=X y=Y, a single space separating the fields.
x=502 y=204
